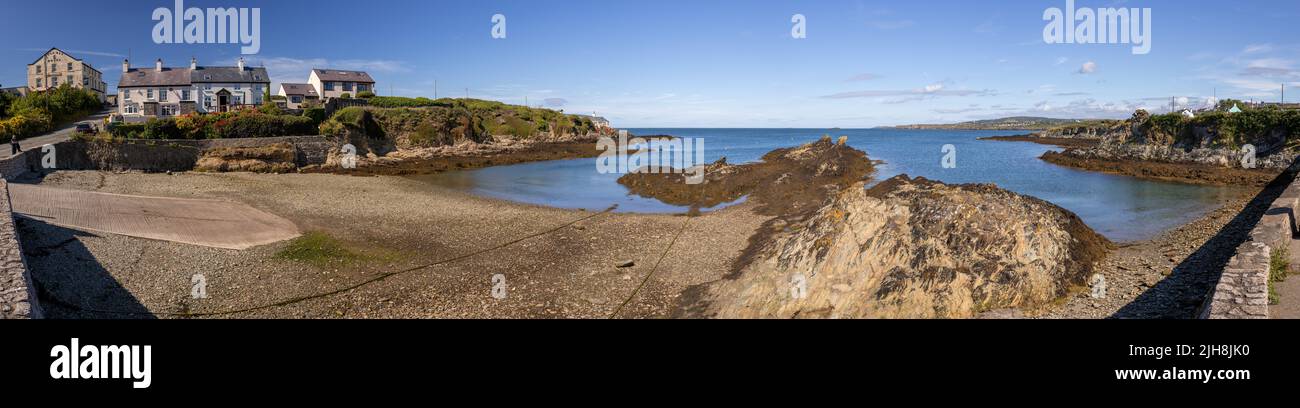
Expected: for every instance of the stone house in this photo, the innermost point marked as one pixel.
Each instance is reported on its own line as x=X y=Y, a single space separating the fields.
x=55 y=68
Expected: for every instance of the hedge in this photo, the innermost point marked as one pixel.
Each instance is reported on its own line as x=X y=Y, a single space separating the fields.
x=244 y=124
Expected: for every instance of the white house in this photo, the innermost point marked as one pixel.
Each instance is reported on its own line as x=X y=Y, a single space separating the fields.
x=162 y=91
x=333 y=83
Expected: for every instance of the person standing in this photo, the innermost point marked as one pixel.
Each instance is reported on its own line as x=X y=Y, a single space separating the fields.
x=13 y=143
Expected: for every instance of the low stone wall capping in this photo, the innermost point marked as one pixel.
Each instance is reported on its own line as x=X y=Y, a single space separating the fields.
x=17 y=294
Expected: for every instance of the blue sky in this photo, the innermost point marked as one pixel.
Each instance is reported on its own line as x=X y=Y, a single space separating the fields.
x=706 y=63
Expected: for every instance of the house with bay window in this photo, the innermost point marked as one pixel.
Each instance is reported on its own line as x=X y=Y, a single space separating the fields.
x=164 y=91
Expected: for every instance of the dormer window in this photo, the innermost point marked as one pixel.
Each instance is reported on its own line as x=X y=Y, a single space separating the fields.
x=207 y=77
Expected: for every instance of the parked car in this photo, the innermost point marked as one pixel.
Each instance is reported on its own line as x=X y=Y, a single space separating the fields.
x=85 y=128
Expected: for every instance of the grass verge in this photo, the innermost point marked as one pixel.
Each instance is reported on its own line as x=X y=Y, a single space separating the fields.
x=1278 y=265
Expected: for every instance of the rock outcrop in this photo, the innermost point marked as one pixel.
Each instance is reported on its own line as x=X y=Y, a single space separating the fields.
x=908 y=248
x=274 y=158
x=787 y=182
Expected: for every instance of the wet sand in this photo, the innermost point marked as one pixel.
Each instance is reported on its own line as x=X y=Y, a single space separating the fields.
x=556 y=263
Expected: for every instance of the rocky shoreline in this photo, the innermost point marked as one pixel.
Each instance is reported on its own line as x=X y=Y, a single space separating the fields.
x=1197 y=168
x=1051 y=141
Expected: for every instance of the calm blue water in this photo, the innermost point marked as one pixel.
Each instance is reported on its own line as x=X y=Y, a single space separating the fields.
x=1122 y=208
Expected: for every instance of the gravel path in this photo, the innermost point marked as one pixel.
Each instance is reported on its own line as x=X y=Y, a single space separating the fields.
x=570 y=273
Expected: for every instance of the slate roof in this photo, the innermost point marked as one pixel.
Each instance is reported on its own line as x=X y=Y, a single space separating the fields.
x=299 y=89
x=151 y=77
x=230 y=74
x=136 y=77
x=338 y=75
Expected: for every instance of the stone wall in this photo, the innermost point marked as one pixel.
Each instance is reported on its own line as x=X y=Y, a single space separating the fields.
x=154 y=155
x=1242 y=291
x=17 y=294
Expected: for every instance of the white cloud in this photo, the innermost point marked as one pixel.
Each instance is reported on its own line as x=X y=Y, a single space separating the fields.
x=1257 y=48
x=1088 y=68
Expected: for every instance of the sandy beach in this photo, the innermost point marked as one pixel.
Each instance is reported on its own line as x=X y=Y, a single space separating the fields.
x=565 y=267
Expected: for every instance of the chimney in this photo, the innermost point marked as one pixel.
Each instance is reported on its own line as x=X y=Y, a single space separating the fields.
x=158 y=65
x=194 y=63
x=126 y=65
x=241 y=63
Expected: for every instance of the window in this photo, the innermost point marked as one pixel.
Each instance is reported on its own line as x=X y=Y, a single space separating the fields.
x=54 y=81
x=130 y=109
x=38 y=82
x=238 y=86
x=169 y=110
x=162 y=94
x=148 y=93
x=126 y=95
x=347 y=86
x=38 y=69
x=296 y=99
x=85 y=81
x=329 y=86
x=71 y=80
x=54 y=68
x=207 y=101
x=207 y=86
x=363 y=87
x=185 y=95
x=69 y=66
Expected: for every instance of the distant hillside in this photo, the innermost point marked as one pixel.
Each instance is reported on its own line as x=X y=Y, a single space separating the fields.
x=1013 y=123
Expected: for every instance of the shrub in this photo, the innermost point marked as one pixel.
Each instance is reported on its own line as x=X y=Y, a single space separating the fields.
x=62 y=104
x=317 y=115
x=345 y=95
x=270 y=109
x=126 y=130
x=402 y=102
x=161 y=129
x=26 y=124
x=256 y=124
x=365 y=94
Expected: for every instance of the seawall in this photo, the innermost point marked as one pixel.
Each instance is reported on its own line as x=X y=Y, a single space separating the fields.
x=152 y=155
x=17 y=293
